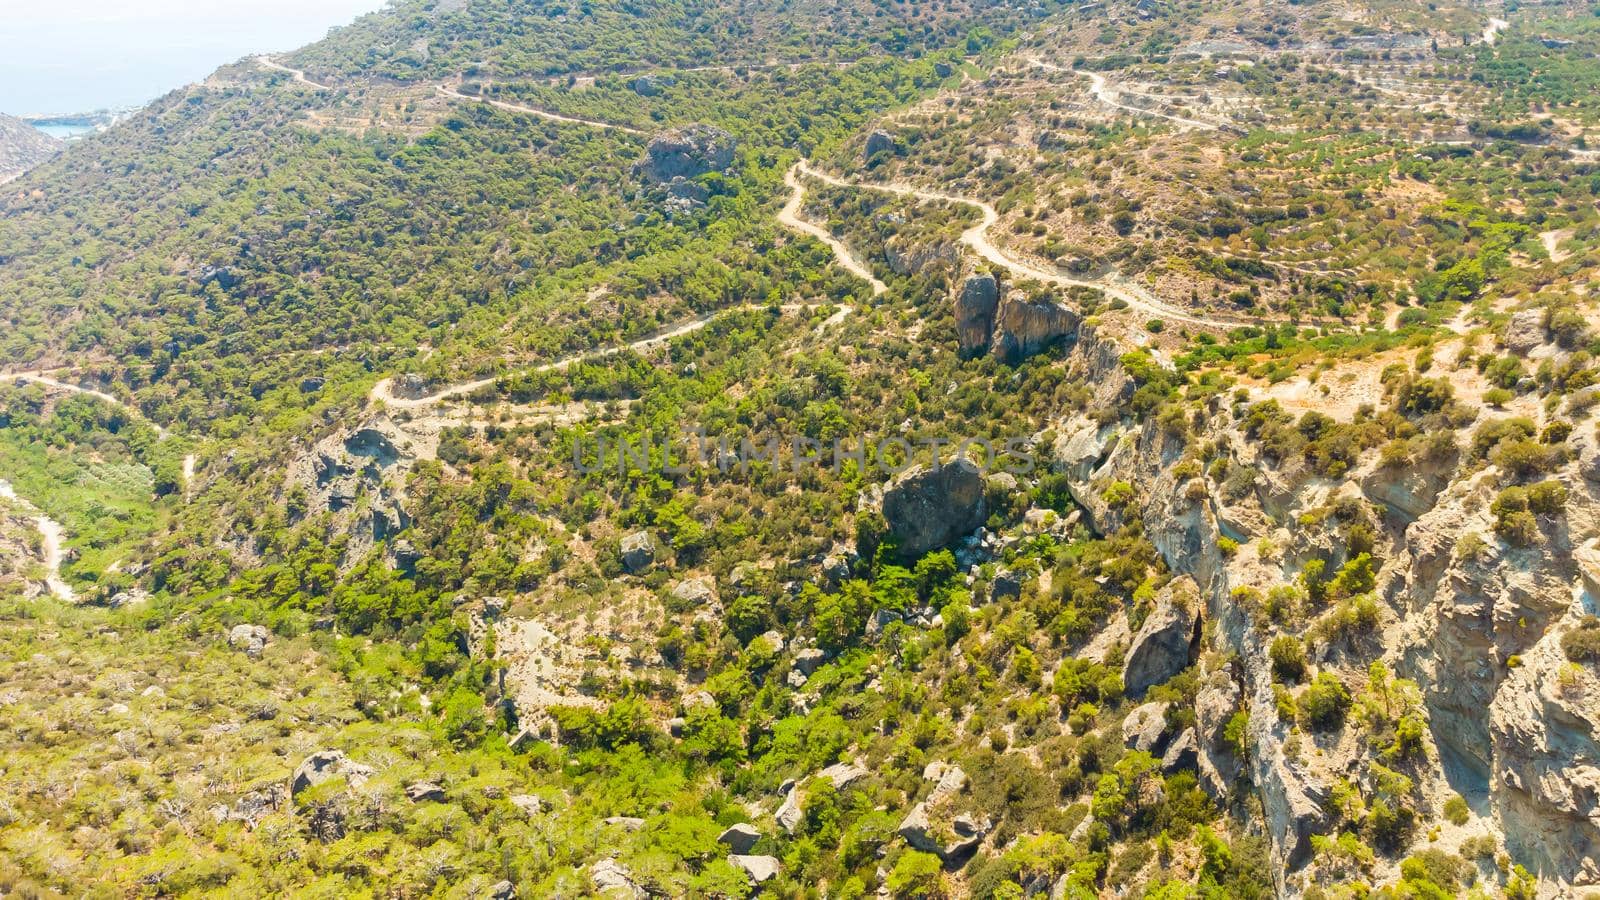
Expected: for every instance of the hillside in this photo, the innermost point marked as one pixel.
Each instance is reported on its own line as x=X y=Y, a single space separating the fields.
x=22 y=147
x=1137 y=450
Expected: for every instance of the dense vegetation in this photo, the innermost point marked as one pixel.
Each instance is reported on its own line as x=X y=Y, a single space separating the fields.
x=245 y=259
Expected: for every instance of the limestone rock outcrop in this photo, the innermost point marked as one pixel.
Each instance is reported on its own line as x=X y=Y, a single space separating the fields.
x=930 y=508
x=879 y=141
x=1163 y=646
x=252 y=639
x=1026 y=326
x=688 y=152
x=975 y=307
x=325 y=765
x=638 y=552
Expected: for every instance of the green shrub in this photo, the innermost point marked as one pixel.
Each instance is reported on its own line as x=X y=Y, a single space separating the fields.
x=1325 y=702
x=1456 y=810
x=1582 y=644
x=1524 y=458
x=1513 y=521
x=1288 y=656
x=916 y=875
x=1547 y=498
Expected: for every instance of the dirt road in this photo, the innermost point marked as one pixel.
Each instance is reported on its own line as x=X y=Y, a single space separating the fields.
x=790 y=217
x=268 y=62
x=383 y=391
x=53 y=534
x=541 y=113
x=977 y=237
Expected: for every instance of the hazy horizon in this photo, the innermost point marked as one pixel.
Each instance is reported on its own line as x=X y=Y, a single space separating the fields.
x=80 y=55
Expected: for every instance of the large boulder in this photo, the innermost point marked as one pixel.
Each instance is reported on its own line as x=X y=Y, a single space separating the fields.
x=739 y=838
x=808 y=660
x=612 y=879
x=1026 y=326
x=253 y=806
x=409 y=386
x=757 y=868
x=425 y=792
x=252 y=639
x=976 y=304
x=932 y=827
x=789 y=813
x=1163 y=646
x=843 y=774
x=1183 y=753
x=638 y=552
x=1525 y=330
x=1144 y=728
x=696 y=593
x=688 y=152
x=931 y=508
x=325 y=765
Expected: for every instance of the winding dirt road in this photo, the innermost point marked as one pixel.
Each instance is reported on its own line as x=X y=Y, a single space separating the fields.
x=53 y=535
x=47 y=381
x=790 y=217
x=383 y=391
x=268 y=62
x=977 y=237
x=1103 y=92
x=541 y=113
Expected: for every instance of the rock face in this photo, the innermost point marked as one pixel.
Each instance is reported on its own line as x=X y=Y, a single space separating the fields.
x=1213 y=707
x=638 y=552
x=368 y=462
x=252 y=639
x=976 y=304
x=908 y=257
x=879 y=142
x=1514 y=727
x=1162 y=647
x=930 y=508
x=325 y=765
x=688 y=152
x=1025 y=327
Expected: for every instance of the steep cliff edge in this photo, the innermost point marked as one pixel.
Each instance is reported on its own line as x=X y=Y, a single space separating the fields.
x=1386 y=574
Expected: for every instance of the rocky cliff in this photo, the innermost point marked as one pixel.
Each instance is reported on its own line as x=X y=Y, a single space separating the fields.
x=1475 y=622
